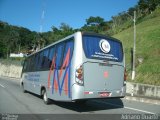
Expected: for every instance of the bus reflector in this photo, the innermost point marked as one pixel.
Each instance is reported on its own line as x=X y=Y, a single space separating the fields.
x=88 y=92
x=105 y=74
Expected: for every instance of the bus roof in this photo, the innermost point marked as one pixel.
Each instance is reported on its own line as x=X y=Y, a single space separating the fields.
x=99 y=35
x=61 y=40
x=67 y=37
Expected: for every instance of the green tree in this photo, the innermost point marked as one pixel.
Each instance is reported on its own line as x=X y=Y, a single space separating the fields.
x=94 y=20
x=94 y=24
x=2 y=49
x=148 y=6
x=59 y=33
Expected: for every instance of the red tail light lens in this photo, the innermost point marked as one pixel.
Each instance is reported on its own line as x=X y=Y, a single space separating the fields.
x=125 y=75
x=79 y=75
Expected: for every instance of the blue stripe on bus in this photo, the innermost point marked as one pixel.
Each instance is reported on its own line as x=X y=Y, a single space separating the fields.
x=56 y=78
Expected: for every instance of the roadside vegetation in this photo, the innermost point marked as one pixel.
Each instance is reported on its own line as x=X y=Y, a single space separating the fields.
x=147 y=49
x=14 y=39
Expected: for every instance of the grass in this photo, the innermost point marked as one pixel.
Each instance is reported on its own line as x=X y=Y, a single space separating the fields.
x=147 y=47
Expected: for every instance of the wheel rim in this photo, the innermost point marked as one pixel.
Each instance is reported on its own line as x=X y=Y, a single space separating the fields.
x=45 y=96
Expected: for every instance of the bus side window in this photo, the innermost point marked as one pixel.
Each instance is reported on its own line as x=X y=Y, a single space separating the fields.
x=36 y=61
x=51 y=55
x=31 y=68
x=40 y=57
x=69 y=46
x=59 y=55
x=28 y=64
x=45 y=60
x=25 y=66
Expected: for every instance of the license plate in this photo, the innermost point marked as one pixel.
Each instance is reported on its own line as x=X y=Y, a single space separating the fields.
x=104 y=94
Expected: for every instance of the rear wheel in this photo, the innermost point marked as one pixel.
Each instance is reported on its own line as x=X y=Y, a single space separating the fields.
x=45 y=97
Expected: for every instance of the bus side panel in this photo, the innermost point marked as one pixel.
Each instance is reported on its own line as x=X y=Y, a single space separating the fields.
x=24 y=81
x=41 y=80
x=34 y=81
x=59 y=88
x=77 y=60
x=27 y=83
x=31 y=82
x=77 y=92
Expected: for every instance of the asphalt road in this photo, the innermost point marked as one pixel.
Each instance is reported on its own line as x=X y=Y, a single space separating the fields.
x=14 y=102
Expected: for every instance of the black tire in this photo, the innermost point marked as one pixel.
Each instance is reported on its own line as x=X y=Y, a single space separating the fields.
x=23 y=90
x=46 y=100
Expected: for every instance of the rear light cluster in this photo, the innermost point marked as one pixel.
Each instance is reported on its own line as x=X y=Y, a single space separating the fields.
x=79 y=75
x=125 y=76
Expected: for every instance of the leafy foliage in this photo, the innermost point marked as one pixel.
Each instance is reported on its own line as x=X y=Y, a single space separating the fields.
x=14 y=39
x=147 y=49
x=19 y=39
x=148 y=6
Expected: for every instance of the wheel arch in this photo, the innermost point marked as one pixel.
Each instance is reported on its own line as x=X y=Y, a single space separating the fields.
x=42 y=89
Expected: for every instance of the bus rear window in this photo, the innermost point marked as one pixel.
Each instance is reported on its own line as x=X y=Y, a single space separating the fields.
x=101 y=48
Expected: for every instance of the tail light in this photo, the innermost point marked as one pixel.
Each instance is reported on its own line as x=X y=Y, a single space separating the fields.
x=125 y=76
x=79 y=75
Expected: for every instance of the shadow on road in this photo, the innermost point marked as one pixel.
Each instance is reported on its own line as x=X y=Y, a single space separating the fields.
x=89 y=106
x=92 y=105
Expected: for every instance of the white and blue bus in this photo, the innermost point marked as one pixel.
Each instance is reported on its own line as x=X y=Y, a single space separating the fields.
x=79 y=67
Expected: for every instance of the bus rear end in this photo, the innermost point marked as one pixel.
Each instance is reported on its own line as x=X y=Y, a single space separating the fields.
x=102 y=73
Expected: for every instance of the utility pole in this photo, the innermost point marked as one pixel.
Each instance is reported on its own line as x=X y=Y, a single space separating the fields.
x=134 y=47
x=40 y=39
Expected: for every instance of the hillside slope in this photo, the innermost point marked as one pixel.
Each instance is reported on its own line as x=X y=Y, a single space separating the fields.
x=147 y=48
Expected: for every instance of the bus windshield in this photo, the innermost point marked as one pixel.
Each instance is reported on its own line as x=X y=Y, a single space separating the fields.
x=102 y=48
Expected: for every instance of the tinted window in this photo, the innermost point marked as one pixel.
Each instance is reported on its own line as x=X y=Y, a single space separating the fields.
x=68 y=52
x=36 y=61
x=102 y=48
x=28 y=64
x=62 y=52
x=25 y=66
x=51 y=55
x=32 y=63
x=59 y=55
x=40 y=58
x=45 y=61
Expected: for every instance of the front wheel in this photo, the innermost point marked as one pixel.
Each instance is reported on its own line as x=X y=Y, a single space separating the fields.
x=23 y=90
x=45 y=98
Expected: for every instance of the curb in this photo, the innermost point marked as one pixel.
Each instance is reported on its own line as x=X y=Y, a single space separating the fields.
x=144 y=100
x=11 y=78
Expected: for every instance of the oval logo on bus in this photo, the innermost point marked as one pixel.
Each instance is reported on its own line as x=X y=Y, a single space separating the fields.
x=104 y=46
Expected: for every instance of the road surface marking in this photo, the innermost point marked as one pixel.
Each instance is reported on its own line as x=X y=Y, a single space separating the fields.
x=125 y=107
x=139 y=110
x=2 y=85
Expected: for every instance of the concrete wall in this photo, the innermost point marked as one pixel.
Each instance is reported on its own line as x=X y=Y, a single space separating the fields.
x=133 y=89
x=10 y=70
x=143 y=90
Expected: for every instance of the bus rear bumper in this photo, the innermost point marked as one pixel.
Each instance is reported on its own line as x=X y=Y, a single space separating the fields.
x=104 y=94
x=80 y=93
